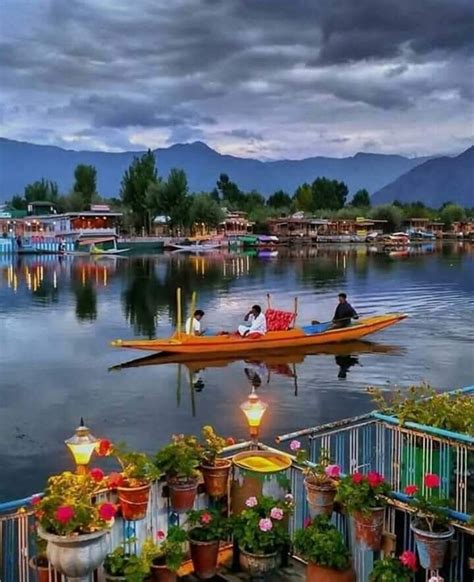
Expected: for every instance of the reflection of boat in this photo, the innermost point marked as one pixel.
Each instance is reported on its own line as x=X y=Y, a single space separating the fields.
x=196 y=248
x=95 y=250
x=273 y=360
x=312 y=335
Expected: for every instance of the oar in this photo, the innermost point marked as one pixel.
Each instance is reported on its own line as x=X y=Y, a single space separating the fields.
x=193 y=309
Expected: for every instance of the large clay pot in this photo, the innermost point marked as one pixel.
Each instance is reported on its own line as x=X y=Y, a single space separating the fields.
x=431 y=546
x=134 y=501
x=160 y=573
x=216 y=477
x=259 y=564
x=204 y=556
x=182 y=494
x=368 y=528
x=76 y=556
x=39 y=565
x=320 y=498
x=315 y=573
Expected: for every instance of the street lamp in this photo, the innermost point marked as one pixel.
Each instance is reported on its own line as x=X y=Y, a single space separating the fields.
x=254 y=409
x=82 y=445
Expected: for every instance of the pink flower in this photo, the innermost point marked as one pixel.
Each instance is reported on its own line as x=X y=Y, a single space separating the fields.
x=160 y=535
x=374 y=479
x=265 y=524
x=96 y=474
x=333 y=471
x=104 y=448
x=115 y=480
x=276 y=513
x=107 y=511
x=408 y=559
x=35 y=499
x=411 y=489
x=432 y=480
x=295 y=446
x=251 y=502
x=205 y=518
x=357 y=478
x=229 y=441
x=307 y=522
x=64 y=514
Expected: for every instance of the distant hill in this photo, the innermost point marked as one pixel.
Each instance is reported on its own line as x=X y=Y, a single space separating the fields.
x=434 y=182
x=22 y=163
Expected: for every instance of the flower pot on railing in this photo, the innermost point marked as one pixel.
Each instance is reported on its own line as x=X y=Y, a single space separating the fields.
x=76 y=556
x=134 y=501
x=259 y=564
x=315 y=573
x=216 y=477
x=431 y=546
x=40 y=565
x=204 y=556
x=320 y=498
x=182 y=493
x=160 y=572
x=368 y=528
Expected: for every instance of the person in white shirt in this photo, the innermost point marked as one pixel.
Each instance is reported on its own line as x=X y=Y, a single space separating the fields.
x=258 y=323
x=193 y=324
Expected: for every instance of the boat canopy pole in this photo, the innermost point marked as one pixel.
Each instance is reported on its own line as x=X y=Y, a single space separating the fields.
x=191 y=315
x=296 y=311
x=269 y=301
x=178 y=310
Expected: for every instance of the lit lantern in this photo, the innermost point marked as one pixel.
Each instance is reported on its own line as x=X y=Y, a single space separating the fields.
x=82 y=445
x=254 y=409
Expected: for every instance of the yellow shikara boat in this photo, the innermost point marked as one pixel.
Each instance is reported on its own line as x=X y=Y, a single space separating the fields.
x=312 y=335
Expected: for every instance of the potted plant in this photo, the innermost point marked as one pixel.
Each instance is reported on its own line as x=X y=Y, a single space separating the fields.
x=392 y=569
x=322 y=546
x=134 y=482
x=261 y=533
x=215 y=471
x=363 y=497
x=179 y=461
x=164 y=558
x=430 y=525
x=320 y=480
x=39 y=563
x=73 y=525
x=119 y=566
x=207 y=528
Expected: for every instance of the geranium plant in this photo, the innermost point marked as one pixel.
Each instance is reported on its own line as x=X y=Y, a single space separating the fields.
x=136 y=468
x=180 y=458
x=68 y=505
x=213 y=445
x=322 y=473
x=261 y=527
x=431 y=513
x=359 y=492
x=169 y=549
x=395 y=569
x=207 y=525
x=322 y=543
x=119 y=563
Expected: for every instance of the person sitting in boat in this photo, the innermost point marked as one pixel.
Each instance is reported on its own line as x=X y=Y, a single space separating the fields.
x=344 y=313
x=258 y=323
x=193 y=324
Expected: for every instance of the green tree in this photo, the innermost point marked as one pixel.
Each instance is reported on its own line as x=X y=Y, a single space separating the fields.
x=171 y=198
x=230 y=193
x=17 y=203
x=329 y=194
x=392 y=214
x=206 y=210
x=85 y=183
x=452 y=213
x=361 y=199
x=279 y=199
x=303 y=198
x=41 y=190
x=135 y=183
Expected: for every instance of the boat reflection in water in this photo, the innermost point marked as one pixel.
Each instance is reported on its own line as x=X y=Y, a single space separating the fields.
x=260 y=369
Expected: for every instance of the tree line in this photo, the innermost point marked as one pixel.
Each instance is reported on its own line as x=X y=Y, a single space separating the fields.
x=145 y=195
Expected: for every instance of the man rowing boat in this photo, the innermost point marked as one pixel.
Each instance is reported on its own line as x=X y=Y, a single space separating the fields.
x=344 y=313
x=258 y=323
x=193 y=324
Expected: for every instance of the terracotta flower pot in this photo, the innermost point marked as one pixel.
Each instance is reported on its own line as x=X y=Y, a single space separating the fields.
x=182 y=494
x=160 y=572
x=368 y=528
x=320 y=498
x=39 y=565
x=216 y=477
x=134 y=501
x=204 y=556
x=431 y=546
x=315 y=573
x=258 y=564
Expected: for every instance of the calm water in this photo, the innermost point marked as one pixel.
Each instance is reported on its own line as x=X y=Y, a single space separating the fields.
x=57 y=317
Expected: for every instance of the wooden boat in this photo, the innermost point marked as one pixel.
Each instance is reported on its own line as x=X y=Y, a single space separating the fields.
x=311 y=335
x=94 y=250
x=196 y=248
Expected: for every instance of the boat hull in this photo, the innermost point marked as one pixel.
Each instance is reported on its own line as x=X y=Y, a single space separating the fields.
x=294 y=338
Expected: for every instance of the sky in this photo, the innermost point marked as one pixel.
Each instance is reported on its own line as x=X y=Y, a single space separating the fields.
x=269 y=79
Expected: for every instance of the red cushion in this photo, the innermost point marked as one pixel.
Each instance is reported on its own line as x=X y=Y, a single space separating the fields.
x=279 y=320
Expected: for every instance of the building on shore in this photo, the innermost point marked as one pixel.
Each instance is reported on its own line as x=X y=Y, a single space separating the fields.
x=298 y=226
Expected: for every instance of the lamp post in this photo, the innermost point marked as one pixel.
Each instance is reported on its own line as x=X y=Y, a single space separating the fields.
x=254 y=409
x=82 y=445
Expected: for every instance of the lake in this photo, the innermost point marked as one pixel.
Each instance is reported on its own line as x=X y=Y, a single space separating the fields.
x=57 y=316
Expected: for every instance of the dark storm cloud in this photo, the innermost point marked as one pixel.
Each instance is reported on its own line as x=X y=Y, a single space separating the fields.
x=157 y=71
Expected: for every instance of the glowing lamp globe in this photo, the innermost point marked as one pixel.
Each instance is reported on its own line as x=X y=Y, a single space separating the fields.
x=254 y=409
x=82 y=445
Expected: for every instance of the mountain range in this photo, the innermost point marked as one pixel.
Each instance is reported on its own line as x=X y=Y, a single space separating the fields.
x=22 y=163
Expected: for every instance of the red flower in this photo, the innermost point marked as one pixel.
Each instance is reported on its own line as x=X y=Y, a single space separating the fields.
x=35 y=499
x=432 y=480
x=107 y=511
x=160 y=535
x=229 y=441
x=205 y=518
x=64 y=513
x=411 y=489
x=375 y=479
x=408 y=559
x=357 y=478
x=115 y=480
x=307 y=522
x=96 y=474
x=104 y=448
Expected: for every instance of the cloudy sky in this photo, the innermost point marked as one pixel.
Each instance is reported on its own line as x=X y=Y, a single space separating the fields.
x=255 y=78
